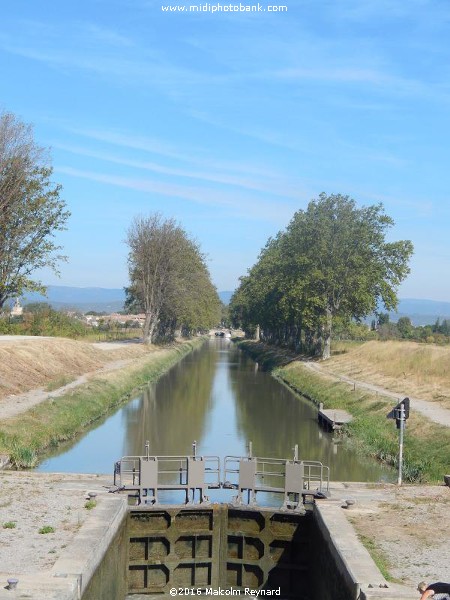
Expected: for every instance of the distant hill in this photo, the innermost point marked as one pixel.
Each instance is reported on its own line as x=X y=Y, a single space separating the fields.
x=84 y=299
x=421 y=312
x=89 y=298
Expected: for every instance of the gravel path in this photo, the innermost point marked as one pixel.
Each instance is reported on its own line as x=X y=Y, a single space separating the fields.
x=14 y=405
x=431 y=410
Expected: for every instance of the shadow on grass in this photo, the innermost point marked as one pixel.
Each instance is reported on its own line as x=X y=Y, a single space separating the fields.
x=270 y=357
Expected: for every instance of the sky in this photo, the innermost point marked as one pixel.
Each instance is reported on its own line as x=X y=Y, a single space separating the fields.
x=230 y=121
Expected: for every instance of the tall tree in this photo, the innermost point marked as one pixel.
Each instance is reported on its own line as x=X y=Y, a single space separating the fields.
x=349 y=266
x=169 y=278
x=333 y=260
x=31 y=210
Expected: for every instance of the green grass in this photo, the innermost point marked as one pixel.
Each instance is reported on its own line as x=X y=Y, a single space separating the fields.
x=9 y=525
x=59 y=382
x=426 y=444
x=90 y=504
x=46 y=529
x=378 y=558
x=56 y=420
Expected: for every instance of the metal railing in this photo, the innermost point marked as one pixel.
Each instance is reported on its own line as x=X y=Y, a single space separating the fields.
x=147 y=475
x=297 y=480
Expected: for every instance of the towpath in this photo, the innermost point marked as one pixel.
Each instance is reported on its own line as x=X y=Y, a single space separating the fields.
x=18 y=404
x=431 y=410
x=14 y=405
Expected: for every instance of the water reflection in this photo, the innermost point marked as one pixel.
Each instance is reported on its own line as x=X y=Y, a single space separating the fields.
x=217 y=396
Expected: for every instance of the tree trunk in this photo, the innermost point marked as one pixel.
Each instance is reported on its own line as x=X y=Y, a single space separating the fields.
x=150 y=323
x=326 y=353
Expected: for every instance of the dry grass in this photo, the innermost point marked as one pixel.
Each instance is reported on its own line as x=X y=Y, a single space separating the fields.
x=417 y=370
x=29 y=364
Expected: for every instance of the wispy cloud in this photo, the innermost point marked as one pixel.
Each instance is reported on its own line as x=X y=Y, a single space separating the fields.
x=239 y=205
x=194 y=155
x=277 y=187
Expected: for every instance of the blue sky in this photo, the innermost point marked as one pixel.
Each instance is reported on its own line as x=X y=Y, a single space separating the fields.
x=232 y=121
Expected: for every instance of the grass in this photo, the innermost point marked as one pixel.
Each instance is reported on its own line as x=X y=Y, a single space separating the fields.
x=415 y=369
x=59 y=382
x=90 y=504
x=41 y=361
x=378 y=557
x=56 y=420
x=426 y=444
x=9 y=525
x=46 y=529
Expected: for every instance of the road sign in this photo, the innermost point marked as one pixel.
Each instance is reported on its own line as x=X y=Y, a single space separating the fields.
x=400 y=413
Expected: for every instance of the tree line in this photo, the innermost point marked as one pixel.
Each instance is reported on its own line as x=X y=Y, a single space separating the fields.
x=332 y=263
x=169 y=279
x=168 y=276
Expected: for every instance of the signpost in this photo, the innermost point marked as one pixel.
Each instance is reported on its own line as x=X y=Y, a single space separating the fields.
x=400 y=413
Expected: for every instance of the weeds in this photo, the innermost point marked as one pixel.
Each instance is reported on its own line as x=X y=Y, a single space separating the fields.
x=378 y=557
x=46 y=529
x=9 y=525
x=23 y=457
x=90 y=504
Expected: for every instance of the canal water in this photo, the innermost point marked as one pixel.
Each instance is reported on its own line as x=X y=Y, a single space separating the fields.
x=220 y=398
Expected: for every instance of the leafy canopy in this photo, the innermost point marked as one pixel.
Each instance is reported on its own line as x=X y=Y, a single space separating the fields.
x=31 y=210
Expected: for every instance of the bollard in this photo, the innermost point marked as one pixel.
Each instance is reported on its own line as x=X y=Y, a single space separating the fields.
x=12 y=583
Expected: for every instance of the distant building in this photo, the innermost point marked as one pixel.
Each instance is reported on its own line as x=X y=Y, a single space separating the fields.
x=115 y=319
x=17 y=309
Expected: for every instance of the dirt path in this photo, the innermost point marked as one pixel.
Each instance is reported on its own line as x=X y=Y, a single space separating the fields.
x=428 y=409
x=11 y=406
x=108 y=356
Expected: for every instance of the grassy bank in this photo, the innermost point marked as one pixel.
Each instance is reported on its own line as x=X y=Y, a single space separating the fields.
x=427 y=445
x=62 y=418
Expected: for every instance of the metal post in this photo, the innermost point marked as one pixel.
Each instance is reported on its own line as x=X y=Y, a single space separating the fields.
x=400 y=453
x=296 y=453
x=250 y=450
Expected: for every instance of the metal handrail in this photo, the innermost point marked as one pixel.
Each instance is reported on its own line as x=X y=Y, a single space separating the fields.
x=147 y=475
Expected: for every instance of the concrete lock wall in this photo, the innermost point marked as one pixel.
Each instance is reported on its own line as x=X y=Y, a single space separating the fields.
x=156 y=549
x=109 y=581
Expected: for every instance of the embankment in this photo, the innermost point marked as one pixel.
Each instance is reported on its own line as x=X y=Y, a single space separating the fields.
x=61 y=418
x=427 y=445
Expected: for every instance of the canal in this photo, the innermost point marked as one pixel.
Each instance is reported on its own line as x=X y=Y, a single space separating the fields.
x=219 y=397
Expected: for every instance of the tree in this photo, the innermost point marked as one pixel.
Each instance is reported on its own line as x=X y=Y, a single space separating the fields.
x=348 y=265
x=37 y=307
x=405 y=327
x=332 y=261
x=31 y=210
x=169 y=279
x=383 y=319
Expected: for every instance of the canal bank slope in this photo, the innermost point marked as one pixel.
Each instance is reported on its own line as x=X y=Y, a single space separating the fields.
x=427 y=443
x=402 y=527
x=79 y=382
